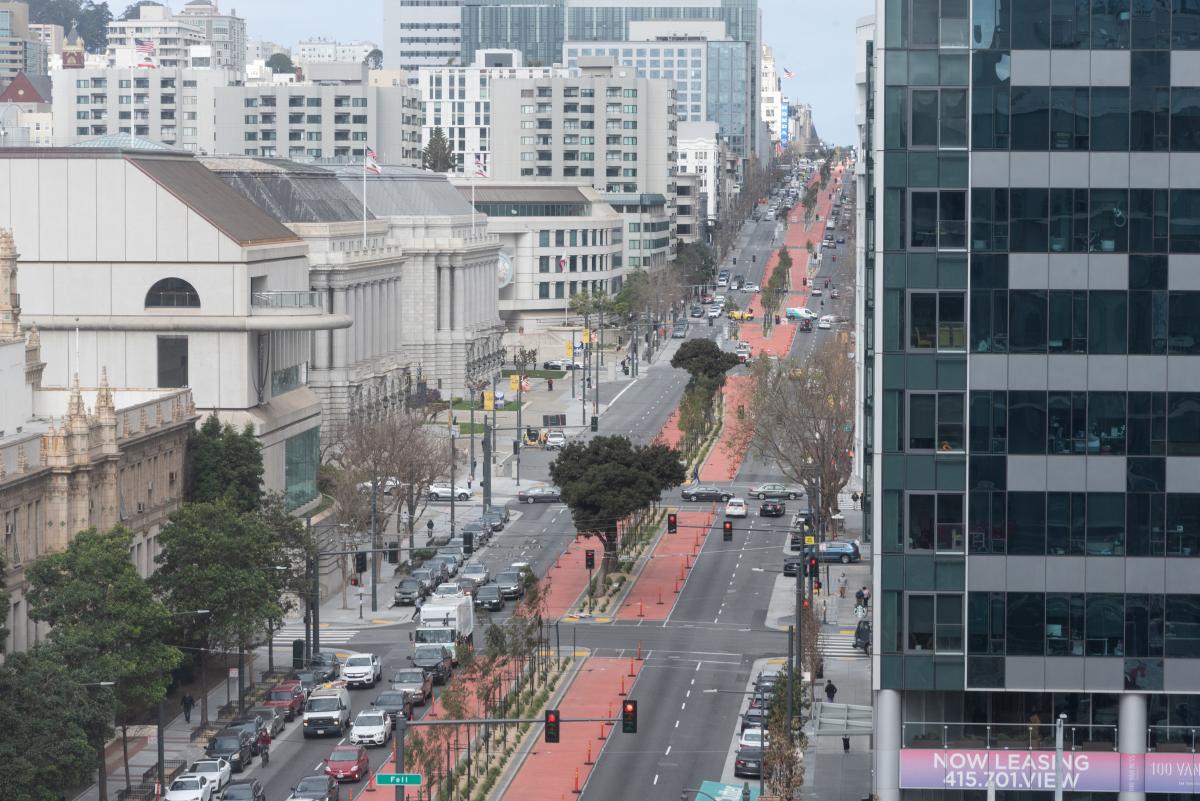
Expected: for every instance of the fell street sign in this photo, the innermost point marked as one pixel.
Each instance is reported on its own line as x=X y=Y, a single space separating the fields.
x=405 y=779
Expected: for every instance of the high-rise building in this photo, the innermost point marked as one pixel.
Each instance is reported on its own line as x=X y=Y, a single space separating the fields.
x=605 y=127
x=770 y=106
x=421 y=33
x=534 y=28
x=225 y=33
x=20 y=49
x=1035 y=439
x=168 y=38
x=48 y=34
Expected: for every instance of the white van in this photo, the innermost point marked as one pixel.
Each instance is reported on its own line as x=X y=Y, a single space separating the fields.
x=327 y=711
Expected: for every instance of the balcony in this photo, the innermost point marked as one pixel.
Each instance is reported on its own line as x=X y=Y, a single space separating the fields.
x=287 y=300
x=1006 y=736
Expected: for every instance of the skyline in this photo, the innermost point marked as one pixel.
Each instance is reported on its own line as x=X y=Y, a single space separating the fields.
x=805 y=37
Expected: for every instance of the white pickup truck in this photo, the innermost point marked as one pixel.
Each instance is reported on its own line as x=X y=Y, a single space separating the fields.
x=361 y=670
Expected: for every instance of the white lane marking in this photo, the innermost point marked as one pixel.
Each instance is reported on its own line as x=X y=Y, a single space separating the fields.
x=656 y=778
x=683 y=705
x=677 y=724
x=668 y=751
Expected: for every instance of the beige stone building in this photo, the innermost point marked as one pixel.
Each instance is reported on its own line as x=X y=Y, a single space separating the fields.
x=65 y=467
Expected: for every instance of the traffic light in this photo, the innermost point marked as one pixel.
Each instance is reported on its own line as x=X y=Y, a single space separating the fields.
x=360 y=562
x=589 y=559
x=812 y=565
x=672 y=523
x=817 y=585
x=468 y=542
x=552 y=720
x=629 y=717
x=727 y=531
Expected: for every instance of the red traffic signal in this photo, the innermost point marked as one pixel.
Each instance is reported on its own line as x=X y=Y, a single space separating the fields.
x=629 y=717
x=727 y=531
x=672 y=523
x=552 y=723
x=812 y=563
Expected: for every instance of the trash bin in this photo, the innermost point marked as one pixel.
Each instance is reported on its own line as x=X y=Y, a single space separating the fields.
x=297 y=654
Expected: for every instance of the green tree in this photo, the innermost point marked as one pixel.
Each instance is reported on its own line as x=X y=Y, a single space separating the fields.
x=783 y=771
x=281 y=64
x=374 y=59
x=437 y=155
x=606 y=479
x=703 y=358
x=220 y=559
x=105 y=622
x=91 y=19
x=47 y=725
x=696 y=263
x=225 y=464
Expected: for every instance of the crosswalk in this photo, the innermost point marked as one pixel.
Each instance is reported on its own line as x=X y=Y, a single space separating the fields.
x=838 y=645
x=331 y=634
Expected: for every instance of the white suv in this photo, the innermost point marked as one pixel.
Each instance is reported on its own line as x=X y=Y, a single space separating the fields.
x=736 y=507
x=362 y=670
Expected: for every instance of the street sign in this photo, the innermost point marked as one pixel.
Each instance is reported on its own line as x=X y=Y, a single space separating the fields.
x=569 y=349
x=404 y=779
x=514 y=381
x=586 y=336
x=810 y=540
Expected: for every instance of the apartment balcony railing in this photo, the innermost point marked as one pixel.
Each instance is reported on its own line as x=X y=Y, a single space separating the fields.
x=1007 y=736
x=285 y=299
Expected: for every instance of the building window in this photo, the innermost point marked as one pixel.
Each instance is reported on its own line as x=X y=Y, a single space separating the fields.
x=935 y=623
x=301 y=460
x=172 y=361
x=172 y=293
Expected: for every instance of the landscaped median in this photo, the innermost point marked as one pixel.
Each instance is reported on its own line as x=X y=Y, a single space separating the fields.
x=655 y=590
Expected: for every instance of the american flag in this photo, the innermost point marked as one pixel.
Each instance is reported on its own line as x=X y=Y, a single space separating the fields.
x=480 y=169
x=144 y=47
x=371 y=165
x=788 y=73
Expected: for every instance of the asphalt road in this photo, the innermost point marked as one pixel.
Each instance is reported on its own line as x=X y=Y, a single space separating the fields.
x=715 y=632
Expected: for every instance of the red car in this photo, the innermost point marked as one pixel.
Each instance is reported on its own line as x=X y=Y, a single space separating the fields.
x=288 y=698
x=348 y=763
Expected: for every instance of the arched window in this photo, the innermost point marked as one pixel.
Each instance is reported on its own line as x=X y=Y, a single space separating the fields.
x=173 y=293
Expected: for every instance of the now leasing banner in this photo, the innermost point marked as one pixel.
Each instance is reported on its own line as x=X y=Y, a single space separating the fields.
x=1084 y=771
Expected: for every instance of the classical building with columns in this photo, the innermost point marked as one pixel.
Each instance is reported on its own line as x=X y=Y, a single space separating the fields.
x=65 y=467
x=417 y=276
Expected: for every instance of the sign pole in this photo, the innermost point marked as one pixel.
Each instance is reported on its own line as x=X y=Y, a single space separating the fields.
x=398 y=750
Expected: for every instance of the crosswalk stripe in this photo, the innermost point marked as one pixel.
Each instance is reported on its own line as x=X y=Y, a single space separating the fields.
x=838 y=645
x=334 y=634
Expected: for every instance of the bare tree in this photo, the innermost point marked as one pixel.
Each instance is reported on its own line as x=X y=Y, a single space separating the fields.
x=802 y=419
x=401 y=455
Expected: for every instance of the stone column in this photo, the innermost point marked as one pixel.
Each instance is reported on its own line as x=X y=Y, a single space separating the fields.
x=443 y=296
x=340 y=335
x=458 y=297
x=1131 y=740
x=321 y=339
x=887 y=745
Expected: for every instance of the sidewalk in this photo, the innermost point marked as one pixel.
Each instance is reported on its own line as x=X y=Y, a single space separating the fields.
x=553 y=771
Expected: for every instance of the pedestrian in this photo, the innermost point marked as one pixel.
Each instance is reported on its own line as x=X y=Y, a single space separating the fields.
x=866 y=599
x=830 y=691
x=858 y=598
x=845 y=745
x=696 y=472
x=842 y=584
x=550 y=384
x=188 y=703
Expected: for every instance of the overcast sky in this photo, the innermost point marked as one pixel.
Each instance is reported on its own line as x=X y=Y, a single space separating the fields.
x=812 y=38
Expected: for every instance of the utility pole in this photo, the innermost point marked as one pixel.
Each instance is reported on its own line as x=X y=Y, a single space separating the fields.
x=453 y=458
x=488 y=434
x=375 y=543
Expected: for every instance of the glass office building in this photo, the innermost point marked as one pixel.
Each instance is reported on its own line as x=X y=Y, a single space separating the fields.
x=534 y=28
x=1034 y=399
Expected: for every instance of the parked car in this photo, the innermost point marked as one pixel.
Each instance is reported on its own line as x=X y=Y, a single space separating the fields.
x=371 y=727
x=696 y=311
x=395 y=703
x=348 y=763
x=705 y=492
x=252 y=725
x=327 y=662
x=309 y=679
x=764 y=491
x=736 y=507
x=244 y=790
x=753 y=718
x=415 y=683
x=772 y=509
x=409 y=592
x=316 y=788
x=441 y=491
x=288 y=697
x=232 y=746
x=189 y=788
x=747 y=764
x=217 y=771
x=496 y=517
x=679 y=332
x=543 y=494
x=480 y=531
x=272 y=717
x=840 y=551
x=754 y=738
x=427 y=577
x=449 y=562
x=490 y=598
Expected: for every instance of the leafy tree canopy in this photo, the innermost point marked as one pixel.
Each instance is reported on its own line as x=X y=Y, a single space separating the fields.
x=606 y=479
x=44 y=724
x=696 y=262
x=281 y=63
x=702 y=358
x=225 y=464
x=92 y=19
x=374 y=59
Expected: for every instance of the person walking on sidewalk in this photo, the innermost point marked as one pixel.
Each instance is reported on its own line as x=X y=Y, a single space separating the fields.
x=842 y=584
x=188 y=703
x=830 y=691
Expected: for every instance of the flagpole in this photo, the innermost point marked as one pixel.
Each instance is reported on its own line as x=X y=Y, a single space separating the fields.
x=364 y=202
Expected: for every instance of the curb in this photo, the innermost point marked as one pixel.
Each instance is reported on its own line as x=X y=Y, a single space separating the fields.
x=522 y=753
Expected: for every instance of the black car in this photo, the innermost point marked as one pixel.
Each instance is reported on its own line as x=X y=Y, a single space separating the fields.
x=489 y=597
x=496 y=518
x=434 y=660
x=326 y=662
x=748 y=763
x=409 y=592
x=481 y=532
x=244 y=790
x=394 y=703
x=511 y=584
x=862 y=636
x=316 y=788
x=252 y=725
x=705 y=493
x=235 y=747
x=772 y=509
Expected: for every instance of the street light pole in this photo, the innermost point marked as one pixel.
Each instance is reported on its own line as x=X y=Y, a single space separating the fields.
x=375 y=543
x=1058 y=756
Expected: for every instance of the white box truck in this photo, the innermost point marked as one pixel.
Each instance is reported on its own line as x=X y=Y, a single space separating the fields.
x=448 y=622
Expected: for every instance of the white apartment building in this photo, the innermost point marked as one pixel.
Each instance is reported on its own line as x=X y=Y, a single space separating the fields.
x=320 y=120
x=700 y=154
x=263 y=49
x=171 y=105
x=459 y=101
x=147 y=265
x=171 y=35
x=225 y=33
x=421 y=33
x=770 y=95
x=605 y=127
x=321 y=50
x=557 y=240
x=690 y=204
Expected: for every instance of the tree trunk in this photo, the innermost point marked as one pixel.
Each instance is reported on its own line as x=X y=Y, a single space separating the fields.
x=611 y=562
x=204 y=687
x=125 y=755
